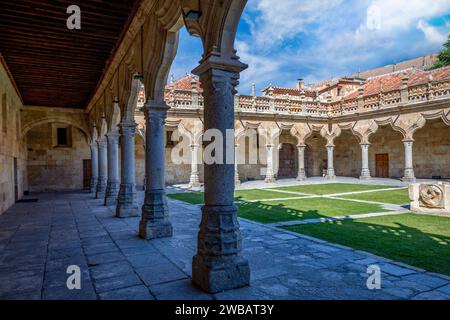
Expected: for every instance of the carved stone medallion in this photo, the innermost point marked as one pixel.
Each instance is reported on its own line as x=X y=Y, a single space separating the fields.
x=431 y=196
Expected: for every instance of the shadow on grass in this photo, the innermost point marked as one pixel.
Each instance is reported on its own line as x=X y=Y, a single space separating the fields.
x=288 y=210
x=421 y=241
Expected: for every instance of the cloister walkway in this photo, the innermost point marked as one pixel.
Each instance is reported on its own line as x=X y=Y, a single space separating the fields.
x=39 y=240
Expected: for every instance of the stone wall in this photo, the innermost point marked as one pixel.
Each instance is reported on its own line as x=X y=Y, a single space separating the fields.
x=55 y=168
x=12 y=148
x=315 y=155
x=431 y=150
x=386 y=140
x=347 y=155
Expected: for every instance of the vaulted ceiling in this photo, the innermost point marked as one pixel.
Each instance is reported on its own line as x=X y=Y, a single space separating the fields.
x=52 y=65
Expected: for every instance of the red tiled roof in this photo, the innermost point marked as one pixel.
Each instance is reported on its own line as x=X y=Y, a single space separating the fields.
x=185 y=83
x=393 y=81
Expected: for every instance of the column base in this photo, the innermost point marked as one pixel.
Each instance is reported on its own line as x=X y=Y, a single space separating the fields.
x=270 y=179
x=301 y=175
x=127 y=212
x=101 y=189
x=409 y=176
x=222 y=276
x=237 y=182
x=110 y=201
x=126 y=202
x=330 y=174
x=93 y=186
x=155 y=216
x=112 y=190
x=155 y=230
x=194 y=182
x=365 y=175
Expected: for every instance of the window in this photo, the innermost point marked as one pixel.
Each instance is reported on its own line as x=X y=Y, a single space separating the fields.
x=4 y=114
x=169 y=141
x=61 y=136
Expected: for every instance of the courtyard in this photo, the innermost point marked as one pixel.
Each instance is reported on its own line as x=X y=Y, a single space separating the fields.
x=295 y=254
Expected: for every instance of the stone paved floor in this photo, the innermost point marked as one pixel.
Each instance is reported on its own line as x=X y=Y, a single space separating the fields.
x=39 y=240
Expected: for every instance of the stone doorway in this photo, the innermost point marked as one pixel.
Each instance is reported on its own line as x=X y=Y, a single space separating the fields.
x=87 y=173
x=16 y=181
x=382 y=165
x=287 y=163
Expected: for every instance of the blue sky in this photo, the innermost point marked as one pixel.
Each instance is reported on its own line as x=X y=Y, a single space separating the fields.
x=284 y=40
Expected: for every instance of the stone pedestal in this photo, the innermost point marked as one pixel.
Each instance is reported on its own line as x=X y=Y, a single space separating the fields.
x=94 y=167
x=365 y=172
x=430 y=198
x=330 y=168
x=102 y=169
x=126 y=199
x=218 y=264
x=194 y=180
x=270 y=175
x=155 y=221
x=113 y=183
x=301 y=163
x=409 y=168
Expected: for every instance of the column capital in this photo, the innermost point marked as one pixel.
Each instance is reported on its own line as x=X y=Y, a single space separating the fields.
x=112 y=135
x=215 y=61
x=101 y=142
x=152 y=106
x=365 y=144
x=127 y=124
x=301 y=146
x=408 y=140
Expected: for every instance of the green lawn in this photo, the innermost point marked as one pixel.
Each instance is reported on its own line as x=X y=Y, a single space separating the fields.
x=300 y=209
x=419 y=240
x=331 y=188
x=393 y=196
x=189 y=197
x=254 y=194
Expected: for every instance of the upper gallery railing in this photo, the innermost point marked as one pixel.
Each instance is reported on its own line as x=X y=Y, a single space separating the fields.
x=298 y=105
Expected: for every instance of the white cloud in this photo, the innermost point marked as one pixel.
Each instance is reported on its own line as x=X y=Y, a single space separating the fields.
x=332 y=37
x=432 y=34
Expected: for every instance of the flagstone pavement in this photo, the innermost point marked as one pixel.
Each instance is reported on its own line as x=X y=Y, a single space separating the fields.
x=39 y=240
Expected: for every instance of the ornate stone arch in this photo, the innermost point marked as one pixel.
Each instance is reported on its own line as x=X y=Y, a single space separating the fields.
x=407 y=124
x=363 y=129
x=330 y=132
x=301 y=131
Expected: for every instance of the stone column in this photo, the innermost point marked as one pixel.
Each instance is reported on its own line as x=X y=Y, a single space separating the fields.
x=330 y=167
x=409 y=168
x=301 y=162
x=94 y=167
x=236 y=170
x=126 y=199
x=219 y=264
x=155 y=212
x=194 y=180
x=365 y=171
x=270 y=175
x=102 y=168
x=113 y=183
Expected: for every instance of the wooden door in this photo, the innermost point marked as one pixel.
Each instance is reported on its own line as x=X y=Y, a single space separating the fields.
x=382 y=165
x=87 y=174
x=16 y=180
x=286 y=168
